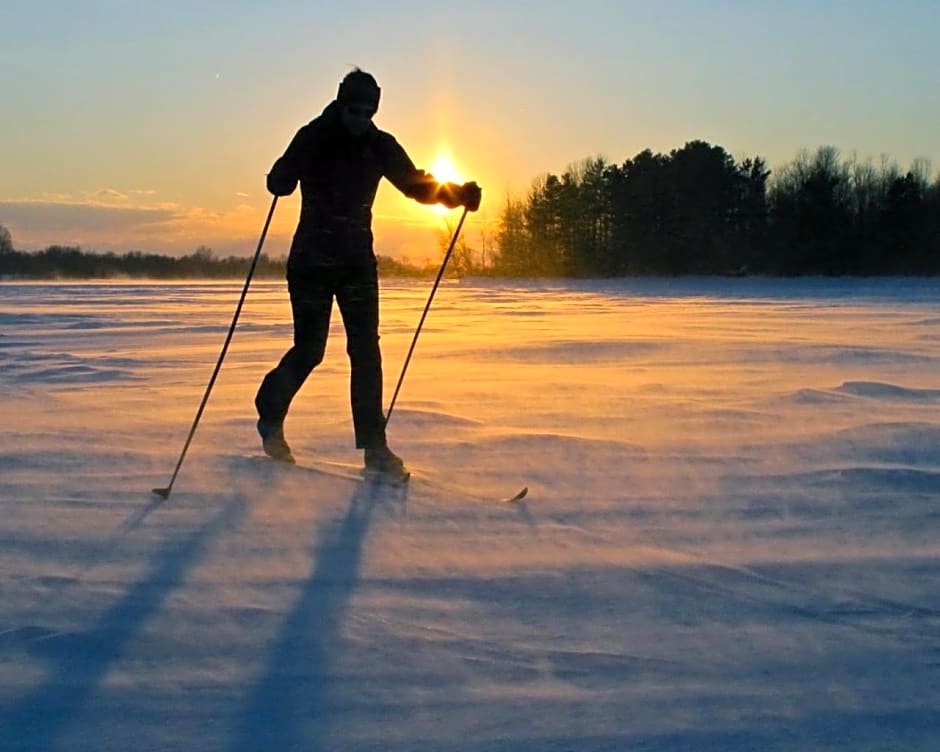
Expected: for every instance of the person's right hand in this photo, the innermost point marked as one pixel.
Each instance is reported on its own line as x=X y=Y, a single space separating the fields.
x=470 y=196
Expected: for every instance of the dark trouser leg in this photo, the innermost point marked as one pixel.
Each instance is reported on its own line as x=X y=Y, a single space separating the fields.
x=311 y=299
x=358 y=299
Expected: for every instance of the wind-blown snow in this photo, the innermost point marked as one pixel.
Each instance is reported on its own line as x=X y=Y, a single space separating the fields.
x=730 y=540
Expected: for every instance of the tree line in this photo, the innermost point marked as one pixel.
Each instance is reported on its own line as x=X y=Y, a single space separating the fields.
x=71 y=262
x=697 y=210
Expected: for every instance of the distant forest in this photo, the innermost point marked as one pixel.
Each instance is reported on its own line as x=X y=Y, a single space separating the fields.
x=695 y=210
x=66 y=262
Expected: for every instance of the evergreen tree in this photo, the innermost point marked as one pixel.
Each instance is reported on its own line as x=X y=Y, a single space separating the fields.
x=6 y=240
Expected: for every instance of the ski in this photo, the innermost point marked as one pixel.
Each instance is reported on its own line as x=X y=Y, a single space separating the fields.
x=517 y=496
x=339 y=470
x=458 y=491
x=358 y=474
x=345 y=469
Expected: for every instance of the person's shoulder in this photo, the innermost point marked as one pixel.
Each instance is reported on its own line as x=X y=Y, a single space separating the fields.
x=385 y=141
x=313 y=134
x=315 y=126
x=322 y=123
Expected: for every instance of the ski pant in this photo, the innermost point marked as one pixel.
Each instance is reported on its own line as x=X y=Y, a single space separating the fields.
x=356 y=290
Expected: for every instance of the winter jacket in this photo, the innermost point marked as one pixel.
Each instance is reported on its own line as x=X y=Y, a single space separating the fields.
x=339 y=174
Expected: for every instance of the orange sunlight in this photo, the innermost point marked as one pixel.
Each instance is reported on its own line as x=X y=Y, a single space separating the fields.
x=445 y=171
x=408 y=230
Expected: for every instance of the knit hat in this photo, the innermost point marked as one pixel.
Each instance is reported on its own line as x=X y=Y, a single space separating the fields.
x=359 y=86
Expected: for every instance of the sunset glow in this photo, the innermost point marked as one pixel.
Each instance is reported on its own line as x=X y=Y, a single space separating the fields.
x=446 y=172
x=170 y=153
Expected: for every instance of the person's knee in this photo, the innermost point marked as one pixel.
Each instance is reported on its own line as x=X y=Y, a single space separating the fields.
x=304 y=357
x=363 y=351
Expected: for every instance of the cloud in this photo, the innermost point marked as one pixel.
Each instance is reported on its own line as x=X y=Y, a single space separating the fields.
x=57 y=216
x=110 y=194
x=157 y=227
x=109 y=220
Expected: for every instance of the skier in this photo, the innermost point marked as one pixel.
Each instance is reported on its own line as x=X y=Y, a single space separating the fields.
x=339 y=158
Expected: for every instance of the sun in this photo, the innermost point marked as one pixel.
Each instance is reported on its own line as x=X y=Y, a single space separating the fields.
x=445 y=171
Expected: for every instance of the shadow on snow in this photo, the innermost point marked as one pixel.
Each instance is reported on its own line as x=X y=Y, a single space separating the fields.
x=79 y=662
x=291 y=705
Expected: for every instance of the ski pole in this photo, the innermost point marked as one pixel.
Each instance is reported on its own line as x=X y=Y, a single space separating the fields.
x=165 y=492
x=427 y=307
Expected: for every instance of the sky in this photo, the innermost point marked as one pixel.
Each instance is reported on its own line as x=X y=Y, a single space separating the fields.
x=150 y=126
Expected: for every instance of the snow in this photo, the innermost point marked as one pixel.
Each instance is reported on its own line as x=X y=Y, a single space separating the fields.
x=730 y=540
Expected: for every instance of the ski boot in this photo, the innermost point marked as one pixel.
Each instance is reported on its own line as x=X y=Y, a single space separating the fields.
x=382 y=463
x=273 y=442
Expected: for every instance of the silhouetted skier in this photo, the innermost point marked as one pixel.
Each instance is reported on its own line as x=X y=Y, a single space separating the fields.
x=339 y=158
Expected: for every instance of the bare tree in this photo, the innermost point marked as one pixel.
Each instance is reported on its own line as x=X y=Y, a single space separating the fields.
x=462 y=258
x=921 y=170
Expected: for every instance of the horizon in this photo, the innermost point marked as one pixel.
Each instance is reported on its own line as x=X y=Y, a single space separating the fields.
x=134 y=129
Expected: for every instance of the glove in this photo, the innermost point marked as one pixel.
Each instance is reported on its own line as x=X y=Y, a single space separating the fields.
x=470 y=196
x=280 y=186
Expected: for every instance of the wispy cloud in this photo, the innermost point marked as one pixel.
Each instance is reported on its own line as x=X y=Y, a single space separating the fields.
x=63 y=216
x=112 y=220
x=108 y=221
x=110 y=194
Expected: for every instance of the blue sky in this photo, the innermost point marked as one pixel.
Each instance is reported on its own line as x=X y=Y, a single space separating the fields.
x=151 y=125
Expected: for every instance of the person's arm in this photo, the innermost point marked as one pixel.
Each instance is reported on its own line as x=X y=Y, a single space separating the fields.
x=421 y=185
x=283 y=177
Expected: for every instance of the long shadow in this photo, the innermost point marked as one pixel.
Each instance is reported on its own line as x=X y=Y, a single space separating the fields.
x=290 y=707
x=78 y=662
x=522 y=509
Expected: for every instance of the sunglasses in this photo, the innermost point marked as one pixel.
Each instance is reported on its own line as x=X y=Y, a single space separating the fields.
x=360 y=111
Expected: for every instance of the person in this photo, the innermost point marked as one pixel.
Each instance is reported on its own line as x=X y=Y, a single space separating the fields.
x=339 y=159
